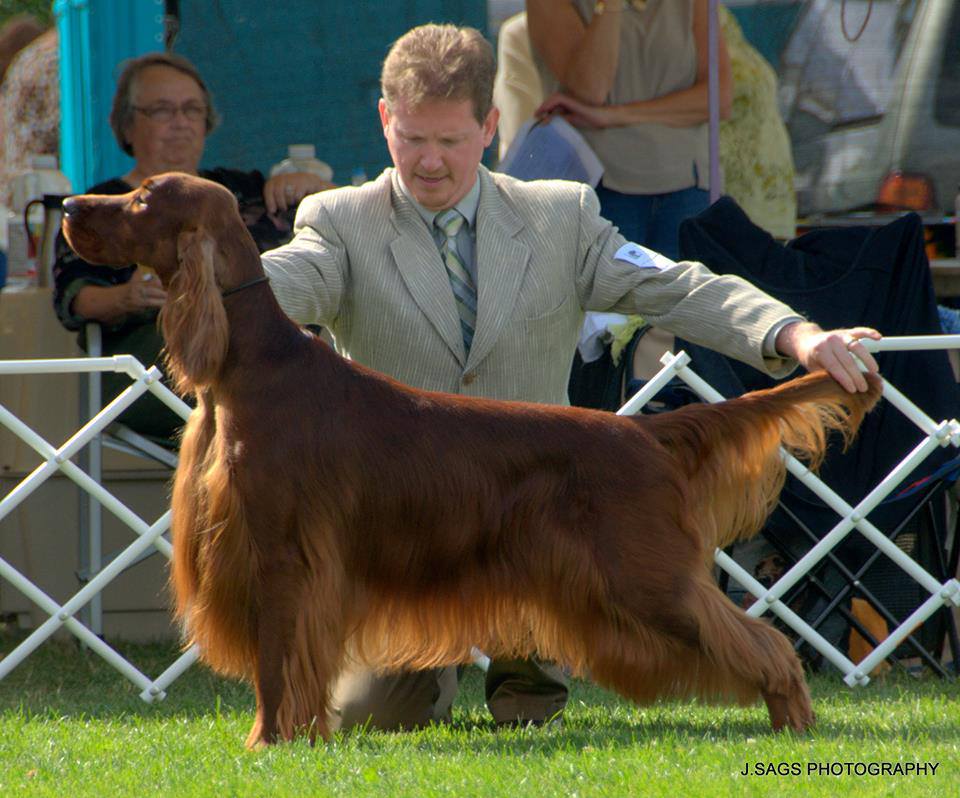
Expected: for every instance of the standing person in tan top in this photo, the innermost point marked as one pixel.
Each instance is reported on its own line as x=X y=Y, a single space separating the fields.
x=632 y=75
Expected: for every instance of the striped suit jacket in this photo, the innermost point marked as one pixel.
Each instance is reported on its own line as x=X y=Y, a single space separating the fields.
x=364 y=265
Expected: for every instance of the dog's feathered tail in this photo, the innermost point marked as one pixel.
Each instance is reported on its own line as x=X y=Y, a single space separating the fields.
x=730 y=450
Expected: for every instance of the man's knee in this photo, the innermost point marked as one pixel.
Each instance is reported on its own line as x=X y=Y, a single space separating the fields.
x=525 y=691
x=398 y=701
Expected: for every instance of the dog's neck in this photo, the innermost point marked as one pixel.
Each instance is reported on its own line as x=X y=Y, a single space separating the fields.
x=259 y=331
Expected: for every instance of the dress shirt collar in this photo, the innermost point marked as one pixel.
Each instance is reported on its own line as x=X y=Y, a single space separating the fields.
x=467 y=206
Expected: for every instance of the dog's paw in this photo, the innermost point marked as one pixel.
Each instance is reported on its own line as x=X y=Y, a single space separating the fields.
x=794 y=711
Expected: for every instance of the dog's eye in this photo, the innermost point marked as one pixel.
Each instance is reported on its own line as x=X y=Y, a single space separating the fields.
x=141 y=200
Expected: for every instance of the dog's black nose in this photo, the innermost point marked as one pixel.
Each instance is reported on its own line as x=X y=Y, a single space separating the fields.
x=69 y=205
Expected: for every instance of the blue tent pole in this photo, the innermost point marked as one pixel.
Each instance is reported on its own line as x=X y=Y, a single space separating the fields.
x=713 y=90
x=95 y=37
x=75 y=103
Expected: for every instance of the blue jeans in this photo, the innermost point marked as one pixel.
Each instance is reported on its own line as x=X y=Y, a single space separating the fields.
x=653 y=220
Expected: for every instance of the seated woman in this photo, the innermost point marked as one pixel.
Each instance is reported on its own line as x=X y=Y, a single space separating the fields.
x=161 y=115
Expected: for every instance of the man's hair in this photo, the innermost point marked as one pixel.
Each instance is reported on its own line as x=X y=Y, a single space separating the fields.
x=121 y=113
x=440 y=62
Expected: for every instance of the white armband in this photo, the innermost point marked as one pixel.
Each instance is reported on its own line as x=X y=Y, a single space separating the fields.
x=643 y=258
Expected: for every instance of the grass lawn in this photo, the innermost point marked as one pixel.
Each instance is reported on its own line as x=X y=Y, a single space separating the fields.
x=70 y=726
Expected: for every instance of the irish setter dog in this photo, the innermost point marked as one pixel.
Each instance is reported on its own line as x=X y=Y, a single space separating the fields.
x=325 y=514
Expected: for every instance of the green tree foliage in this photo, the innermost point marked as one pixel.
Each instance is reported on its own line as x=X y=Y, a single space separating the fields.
x=41 y=9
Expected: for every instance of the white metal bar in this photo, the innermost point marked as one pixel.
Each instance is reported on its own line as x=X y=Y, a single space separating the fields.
x=75 y=365
x=906 y=628
x=156 y=691
x=802 y=567
x=170 y=399
x=938 y=435
x=25 y=487
x=42 y=600
x=81 y=437
x=117 y=507
x=149 y=379
x=94 y=586
x=33 y=481
x=101 y=421
x=95 y=457
x=916 y=415
x=671 y=364
x=855 y=516
x=907 y=343
x=58 y=458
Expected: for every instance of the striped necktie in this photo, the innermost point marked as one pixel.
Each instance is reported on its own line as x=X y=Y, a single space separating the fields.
x=464 y=291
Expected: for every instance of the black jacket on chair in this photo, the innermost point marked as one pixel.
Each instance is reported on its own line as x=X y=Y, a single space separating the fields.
x=838 y=277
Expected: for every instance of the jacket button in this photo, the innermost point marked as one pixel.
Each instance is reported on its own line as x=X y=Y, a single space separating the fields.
x=469 y=377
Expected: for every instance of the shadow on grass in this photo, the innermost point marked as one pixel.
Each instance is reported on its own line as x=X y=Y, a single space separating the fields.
x=62 y=679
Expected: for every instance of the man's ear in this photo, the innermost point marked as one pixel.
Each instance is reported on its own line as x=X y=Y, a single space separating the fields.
x=384 y=115
x=490 y=125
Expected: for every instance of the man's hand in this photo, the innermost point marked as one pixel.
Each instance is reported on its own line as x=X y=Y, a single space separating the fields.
x=285 y=191
x=830 y=350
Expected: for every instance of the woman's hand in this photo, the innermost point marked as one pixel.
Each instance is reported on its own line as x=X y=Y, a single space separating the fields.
x=577 y=113
x=111 y=304
x=143 y=291
x=281 y=192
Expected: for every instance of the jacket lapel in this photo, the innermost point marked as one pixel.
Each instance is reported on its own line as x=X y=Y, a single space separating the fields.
x=419 y=263
x=501 y=262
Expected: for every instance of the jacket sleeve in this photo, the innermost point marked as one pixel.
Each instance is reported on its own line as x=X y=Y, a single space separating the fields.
x=309 y=275
x=722 y=312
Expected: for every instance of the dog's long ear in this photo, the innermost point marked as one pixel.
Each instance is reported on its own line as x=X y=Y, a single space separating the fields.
x=193 y=320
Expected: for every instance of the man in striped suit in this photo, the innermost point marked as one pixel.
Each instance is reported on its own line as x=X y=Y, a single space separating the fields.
x=449 y=277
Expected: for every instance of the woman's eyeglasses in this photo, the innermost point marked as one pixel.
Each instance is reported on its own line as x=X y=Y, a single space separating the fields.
x=194 y=112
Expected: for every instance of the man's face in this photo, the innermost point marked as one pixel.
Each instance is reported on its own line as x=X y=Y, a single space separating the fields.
x=437 y=146
x=162 y=141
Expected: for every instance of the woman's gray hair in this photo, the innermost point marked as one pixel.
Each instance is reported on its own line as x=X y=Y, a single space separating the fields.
x=121 y=113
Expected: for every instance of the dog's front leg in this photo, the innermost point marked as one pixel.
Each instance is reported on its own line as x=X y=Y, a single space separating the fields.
x=276 y=624
x=299 y=651
x=269 y=685
x=279 y=601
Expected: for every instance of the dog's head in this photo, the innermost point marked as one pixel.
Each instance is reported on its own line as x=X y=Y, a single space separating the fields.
x=152 y=225
x=189 y=231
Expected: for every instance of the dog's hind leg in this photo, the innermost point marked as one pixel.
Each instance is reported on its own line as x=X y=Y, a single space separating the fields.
x=751 y=652
x=701 y=645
